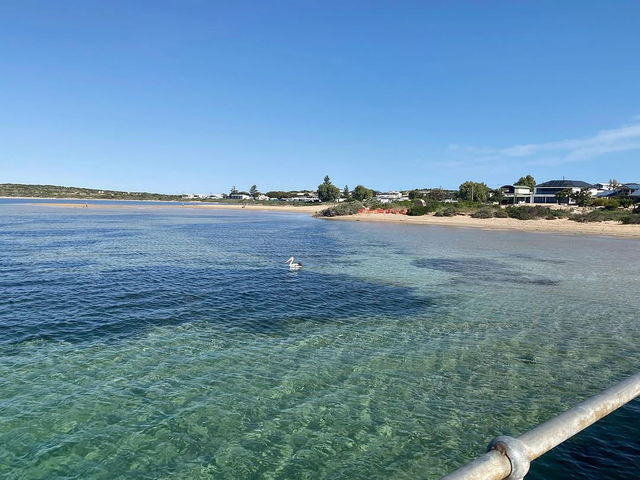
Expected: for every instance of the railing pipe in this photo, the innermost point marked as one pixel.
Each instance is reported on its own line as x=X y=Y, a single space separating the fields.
x=509 y=458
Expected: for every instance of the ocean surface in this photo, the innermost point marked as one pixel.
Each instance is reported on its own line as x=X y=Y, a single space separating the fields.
x=174 y=343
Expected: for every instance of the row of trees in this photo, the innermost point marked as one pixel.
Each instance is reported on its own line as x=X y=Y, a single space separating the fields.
x=328 y=192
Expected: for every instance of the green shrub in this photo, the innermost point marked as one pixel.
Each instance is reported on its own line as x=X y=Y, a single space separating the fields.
x=483 y=213
x=430 y=206
x=417 y=211
x=633 y=219
x=529 y=212
x=447 y=212
x=625 y=202
x=500 y=213
x=608 y=203
x=600 y=216
x=345 y=208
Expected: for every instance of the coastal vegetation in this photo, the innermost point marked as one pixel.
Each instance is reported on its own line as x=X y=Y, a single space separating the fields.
x=473 y=191
x=56 y=191
x=344 y=208
x=527 y=181
x=327 y=191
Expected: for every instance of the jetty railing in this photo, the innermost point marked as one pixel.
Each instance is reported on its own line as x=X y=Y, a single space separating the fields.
x=508 y=458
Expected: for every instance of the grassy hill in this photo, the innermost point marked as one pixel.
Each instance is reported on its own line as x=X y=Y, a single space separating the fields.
x=56 y=191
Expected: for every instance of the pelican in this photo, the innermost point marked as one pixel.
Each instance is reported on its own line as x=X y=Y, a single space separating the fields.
x=293 y=265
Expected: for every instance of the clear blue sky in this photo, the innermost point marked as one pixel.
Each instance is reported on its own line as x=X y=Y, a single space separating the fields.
x=197 y=96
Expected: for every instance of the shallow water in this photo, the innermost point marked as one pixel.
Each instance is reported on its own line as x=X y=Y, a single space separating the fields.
x=156 y=344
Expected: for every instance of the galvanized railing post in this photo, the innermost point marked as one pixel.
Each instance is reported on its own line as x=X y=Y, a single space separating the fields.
x=509 y=458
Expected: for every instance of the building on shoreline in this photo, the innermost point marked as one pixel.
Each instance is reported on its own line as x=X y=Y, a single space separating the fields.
x=624 y=190
x=393 y=196
x=546 y=192
x=514 y=194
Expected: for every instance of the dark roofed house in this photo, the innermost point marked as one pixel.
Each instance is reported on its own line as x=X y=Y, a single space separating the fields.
x=625 y=190
x=546 y=192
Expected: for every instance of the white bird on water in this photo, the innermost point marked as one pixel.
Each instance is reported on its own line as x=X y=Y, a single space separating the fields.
x=293 y=265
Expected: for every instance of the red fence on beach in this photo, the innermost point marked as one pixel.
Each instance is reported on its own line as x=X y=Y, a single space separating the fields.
x=391 y=211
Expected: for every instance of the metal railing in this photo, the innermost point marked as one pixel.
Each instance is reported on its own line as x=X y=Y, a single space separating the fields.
x=508 y=458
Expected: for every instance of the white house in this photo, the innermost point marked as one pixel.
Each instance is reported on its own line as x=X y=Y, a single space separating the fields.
x=393 y=196
x=514 y=194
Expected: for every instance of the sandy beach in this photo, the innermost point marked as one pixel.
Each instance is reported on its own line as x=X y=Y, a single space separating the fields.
x=563 y=225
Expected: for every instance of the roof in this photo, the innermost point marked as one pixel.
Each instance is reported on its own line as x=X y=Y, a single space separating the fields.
x=564 y=184
x=635 y=189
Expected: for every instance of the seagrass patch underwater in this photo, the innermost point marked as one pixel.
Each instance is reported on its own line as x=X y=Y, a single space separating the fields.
x=174 y=343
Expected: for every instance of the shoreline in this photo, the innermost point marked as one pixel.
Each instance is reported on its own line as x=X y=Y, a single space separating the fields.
x=559 y=226
x=271 y=208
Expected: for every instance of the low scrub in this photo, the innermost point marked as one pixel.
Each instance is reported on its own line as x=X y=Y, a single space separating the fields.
x=483 y=213
x=447 y=212
x=428 y=207
x=345 y=208
x=533 y=212
x=500 y=213
x=601 y=216
x=607 y=203
x=633 y=219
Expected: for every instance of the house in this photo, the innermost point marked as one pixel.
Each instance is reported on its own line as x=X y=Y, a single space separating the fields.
x=546 y=192
x=392 y=196
x=239 y=196
x=303 y=197
x=625 y=190
x=516 y=194
x=194 y=195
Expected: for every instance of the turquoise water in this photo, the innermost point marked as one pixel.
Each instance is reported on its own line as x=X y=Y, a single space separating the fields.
x=174 y=343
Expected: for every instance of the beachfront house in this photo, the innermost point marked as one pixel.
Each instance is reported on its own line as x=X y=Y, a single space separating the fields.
x=546 y=192
x=191 y=196
x=514 y=194
x=392 y=196
x=303 y=197
x=239 y=196
x=624 y=190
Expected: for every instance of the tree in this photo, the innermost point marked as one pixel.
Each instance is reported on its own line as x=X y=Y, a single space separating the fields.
x=563 y=195
x=254 y=191
x=362 y=193
x=345 y=191
x=436 y=194
x=415 y=194
x=327 y=191
x=473 y=191
x=497 y=195
x=582 y=197
x=529 y=181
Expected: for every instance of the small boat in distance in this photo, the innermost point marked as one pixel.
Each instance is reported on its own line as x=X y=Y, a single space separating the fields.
x=293 y=265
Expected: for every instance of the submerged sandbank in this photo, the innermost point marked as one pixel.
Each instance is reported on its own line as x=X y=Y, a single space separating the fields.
x=561 y=225
x=272 y=208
